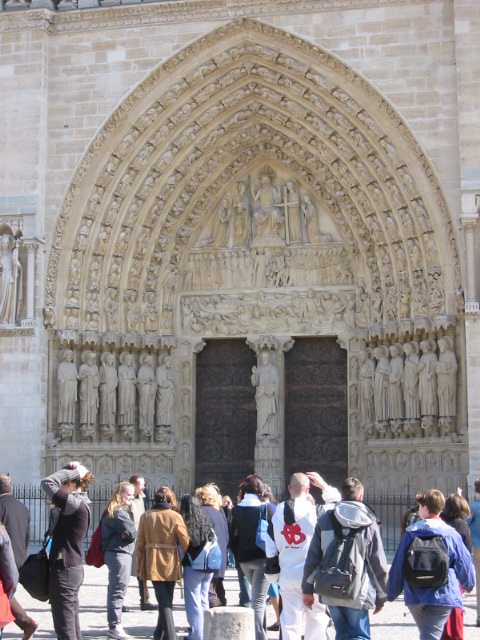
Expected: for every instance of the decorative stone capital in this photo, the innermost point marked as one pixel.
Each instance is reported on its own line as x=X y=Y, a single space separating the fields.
x=68 y=337
x=198 y=347
x=469 y=220
x=259 y=343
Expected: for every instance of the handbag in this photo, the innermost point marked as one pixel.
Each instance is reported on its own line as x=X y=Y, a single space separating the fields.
x=94 y=555
x=209 y=558
x=34 y=574
x=6 y=614
x=262 y=527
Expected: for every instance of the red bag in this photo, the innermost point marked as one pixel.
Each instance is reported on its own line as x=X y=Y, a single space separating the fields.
x=94 y=555
x=6 y=614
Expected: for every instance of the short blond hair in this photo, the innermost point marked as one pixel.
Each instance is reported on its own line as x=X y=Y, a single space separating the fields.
x=209 y=495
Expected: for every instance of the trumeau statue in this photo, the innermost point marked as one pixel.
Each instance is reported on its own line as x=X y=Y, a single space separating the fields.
x=67 y=394
x=10 y=276
x=265 y=379
x=89 y=382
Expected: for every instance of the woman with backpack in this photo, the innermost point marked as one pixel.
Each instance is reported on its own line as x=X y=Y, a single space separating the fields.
x=118 y=535
x=196 y=582
x=246 y=518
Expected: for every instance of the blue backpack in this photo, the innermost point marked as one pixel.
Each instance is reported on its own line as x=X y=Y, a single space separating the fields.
x=209 y=558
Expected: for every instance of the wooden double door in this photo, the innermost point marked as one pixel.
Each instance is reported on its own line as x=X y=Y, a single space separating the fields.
x=315 y=412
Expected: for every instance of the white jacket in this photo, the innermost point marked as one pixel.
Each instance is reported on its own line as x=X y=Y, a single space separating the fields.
x=291 y=542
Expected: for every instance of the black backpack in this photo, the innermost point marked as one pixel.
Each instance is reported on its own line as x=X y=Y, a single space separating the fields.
x=426 y=562
x=341 y=571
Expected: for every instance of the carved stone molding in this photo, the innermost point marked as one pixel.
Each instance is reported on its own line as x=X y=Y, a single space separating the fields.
x=167 y=12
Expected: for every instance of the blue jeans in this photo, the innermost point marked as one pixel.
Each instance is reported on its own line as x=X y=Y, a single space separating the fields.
x=119 y=569
x=196 y=585
x=254 y=571
x=430 y=619
x=245 y=593
x=350 y=624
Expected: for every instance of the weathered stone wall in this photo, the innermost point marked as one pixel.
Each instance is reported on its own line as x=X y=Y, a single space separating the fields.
x=63 y=74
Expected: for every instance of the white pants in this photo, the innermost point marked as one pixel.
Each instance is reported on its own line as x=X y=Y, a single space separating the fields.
x=294 y=614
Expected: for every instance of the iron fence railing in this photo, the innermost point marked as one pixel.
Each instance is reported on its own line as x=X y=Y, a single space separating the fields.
x=389 y=508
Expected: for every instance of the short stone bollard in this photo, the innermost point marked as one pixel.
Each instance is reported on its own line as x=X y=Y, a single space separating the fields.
x=229 y=623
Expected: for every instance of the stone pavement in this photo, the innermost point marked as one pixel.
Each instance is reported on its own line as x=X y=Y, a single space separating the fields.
x=391 y=623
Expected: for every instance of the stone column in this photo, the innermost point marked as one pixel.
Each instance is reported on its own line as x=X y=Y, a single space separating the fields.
x=31 y=247
x=469 y=221
x=270 y=445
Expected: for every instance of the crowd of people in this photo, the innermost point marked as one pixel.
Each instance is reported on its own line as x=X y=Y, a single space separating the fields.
x=323 y=566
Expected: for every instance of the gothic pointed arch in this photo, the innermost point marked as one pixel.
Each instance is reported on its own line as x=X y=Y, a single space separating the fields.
x=243 y=100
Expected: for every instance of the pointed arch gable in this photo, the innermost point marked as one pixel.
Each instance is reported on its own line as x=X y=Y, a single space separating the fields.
x=246 y=92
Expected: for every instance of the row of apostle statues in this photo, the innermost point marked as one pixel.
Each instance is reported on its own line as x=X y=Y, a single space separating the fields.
x=408 y=389
x=108 y=395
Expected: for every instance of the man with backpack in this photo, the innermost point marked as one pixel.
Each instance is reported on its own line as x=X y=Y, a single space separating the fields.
x=291 y=531
x=429 y=563
x=346 y=564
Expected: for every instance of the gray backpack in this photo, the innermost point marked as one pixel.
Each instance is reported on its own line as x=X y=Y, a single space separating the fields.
x=341 y=570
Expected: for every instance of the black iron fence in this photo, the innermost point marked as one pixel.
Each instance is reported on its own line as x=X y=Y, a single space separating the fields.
x=389 y=508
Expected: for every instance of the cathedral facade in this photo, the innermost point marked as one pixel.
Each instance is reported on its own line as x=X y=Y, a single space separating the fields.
x=241 y=236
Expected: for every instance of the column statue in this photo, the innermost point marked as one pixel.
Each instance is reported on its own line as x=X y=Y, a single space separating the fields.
x=67 y=394
x=108 y=395
x=427 y=383
x=396 y=404
x=410 y=388
x=10 y=279
x=367 y=376
x=446 y=369
x=265 y=379
x=147 y=389
x=380 y=392
x=126 y=396
x=89 y=382
x=165 y=395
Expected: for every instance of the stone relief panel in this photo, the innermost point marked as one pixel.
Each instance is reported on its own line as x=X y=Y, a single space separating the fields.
x=310 y=311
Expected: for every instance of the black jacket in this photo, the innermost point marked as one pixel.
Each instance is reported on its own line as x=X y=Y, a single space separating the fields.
x=16 y=519
x=243 y=532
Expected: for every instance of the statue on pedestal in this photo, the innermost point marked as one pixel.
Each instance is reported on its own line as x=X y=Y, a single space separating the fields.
x=427 y=384
x=367 y=376
x=108 y=395
x=165 y=394
x=89 y=382
x=67 y=394
x=265 y=379
x=10 y=276
x=126 y=396
x=410 y=388
x=446 y=369
x=147 y=389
